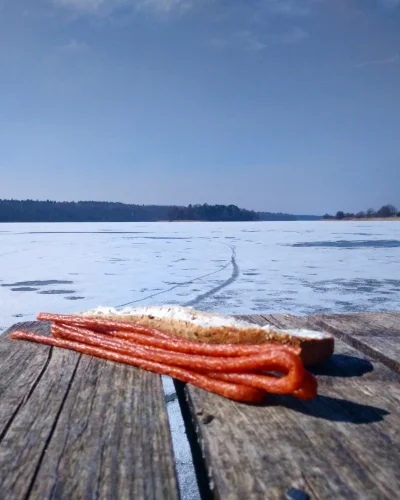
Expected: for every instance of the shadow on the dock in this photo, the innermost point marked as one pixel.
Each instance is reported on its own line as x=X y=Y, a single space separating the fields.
x=333 y=409
x=343 y=365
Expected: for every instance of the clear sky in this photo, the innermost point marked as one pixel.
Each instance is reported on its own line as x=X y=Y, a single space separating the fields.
x=277 y=105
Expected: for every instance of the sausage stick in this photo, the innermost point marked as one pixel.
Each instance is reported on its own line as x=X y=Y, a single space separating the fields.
x=236 y=392
x=124 y=330
x=306 y=391
x=280 y=361
x=101 y=323
x=177 y=344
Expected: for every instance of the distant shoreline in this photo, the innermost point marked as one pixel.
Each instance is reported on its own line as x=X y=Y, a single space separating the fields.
x=102 y=211
x=364 y=219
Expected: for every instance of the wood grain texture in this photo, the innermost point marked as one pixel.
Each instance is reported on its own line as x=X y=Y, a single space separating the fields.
x=20 y=371
x=81 y=427
x=344 y=444
x=376 y=334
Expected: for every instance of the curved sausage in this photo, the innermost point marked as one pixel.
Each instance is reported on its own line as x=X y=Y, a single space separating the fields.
x=157 y=338
x=273 y=360
x=235 y=392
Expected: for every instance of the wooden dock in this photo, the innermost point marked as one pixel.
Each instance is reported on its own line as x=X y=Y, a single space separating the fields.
x=74 y=426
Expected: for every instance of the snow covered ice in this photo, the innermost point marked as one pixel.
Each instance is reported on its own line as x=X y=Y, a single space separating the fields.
x=233 y=268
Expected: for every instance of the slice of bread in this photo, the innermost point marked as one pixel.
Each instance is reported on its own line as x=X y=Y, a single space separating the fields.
x=213 y=328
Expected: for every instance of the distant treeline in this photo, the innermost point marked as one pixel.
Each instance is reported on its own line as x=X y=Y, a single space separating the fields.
x=81 y=211
x=269 y=216
x=385 y=211
x=212 y=213
x=100 y=211
x=308 y=217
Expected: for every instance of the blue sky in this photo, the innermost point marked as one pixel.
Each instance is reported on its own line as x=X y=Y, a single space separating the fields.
x=279 y=105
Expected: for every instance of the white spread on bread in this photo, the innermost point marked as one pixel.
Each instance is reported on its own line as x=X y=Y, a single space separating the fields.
x=310 y=334
x=202 y=319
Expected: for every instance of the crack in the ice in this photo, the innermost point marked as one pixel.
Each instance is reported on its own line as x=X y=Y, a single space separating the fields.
x=234 y=276
x=232 y=261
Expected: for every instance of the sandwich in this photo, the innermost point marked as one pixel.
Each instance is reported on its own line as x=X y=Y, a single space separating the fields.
x=222 y=354
x=188 y=323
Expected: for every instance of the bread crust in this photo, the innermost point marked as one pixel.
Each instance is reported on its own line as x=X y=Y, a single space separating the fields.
x=313 y=351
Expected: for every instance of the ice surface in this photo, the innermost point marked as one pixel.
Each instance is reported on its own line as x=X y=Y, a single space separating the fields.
x=231 y=268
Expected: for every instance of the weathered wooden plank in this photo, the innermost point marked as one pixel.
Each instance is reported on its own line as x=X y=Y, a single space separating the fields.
x=20 y=371
x=90 y=428
x=376 y=334
x=363 y=324
x=24 y=443
x=344 y=444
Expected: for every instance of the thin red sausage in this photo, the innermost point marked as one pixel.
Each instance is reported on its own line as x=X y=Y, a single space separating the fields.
x=280 y=361
x=307 y=391
x=178 y=344
x=124 y=330
x=232 y=391
x=189 y=347
x=85 y=321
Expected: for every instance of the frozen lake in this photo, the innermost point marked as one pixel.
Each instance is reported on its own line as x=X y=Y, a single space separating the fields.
x=269 y=267
x=236 y=268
